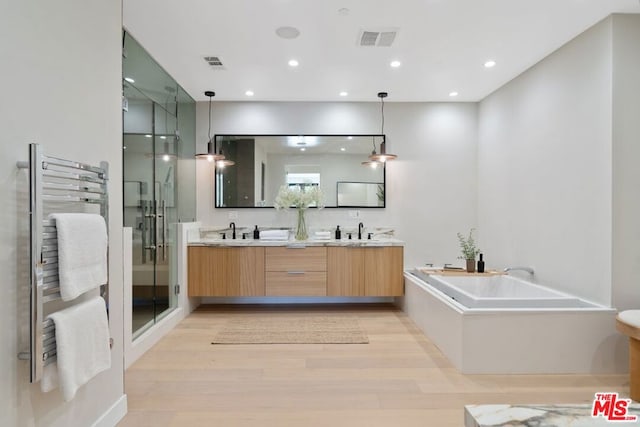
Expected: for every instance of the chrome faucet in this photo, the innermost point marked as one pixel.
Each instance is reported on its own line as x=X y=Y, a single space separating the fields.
x=232 y=226
x=360 y=227
x=527 y=269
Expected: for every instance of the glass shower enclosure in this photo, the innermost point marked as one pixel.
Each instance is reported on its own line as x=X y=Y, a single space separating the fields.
x=159 y=179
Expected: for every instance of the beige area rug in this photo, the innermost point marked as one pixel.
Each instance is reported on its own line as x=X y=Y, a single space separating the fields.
x=292 y=330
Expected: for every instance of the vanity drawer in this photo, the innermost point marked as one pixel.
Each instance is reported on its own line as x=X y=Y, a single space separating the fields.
x=296 y=283
x=296 y=259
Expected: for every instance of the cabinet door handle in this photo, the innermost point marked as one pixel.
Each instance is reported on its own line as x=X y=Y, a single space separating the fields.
x=296 y=246
x=295 y=272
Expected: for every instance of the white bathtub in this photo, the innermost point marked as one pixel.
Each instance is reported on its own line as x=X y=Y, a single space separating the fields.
x=504 y=325
x=501 y=292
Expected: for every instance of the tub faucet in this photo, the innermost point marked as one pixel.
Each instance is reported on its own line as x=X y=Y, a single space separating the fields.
x=527 y=269
x=232 y=226
x=360 y=227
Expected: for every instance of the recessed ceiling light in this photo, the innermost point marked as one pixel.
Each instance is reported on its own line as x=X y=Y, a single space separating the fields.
x=303 y=149
x=293 y=63
x=452 y=94
x=148 y=136
x=490 y=63
x=249 y=93
x=344 y=93
x=129 y=79
x=163 y=137
x=349 y=137
x=343 y=149
x=395 y=64
x=287 y=32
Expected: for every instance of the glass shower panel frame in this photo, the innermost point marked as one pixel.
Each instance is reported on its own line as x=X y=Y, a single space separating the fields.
x=169 y=151
x=166 y=142
x=139 y=194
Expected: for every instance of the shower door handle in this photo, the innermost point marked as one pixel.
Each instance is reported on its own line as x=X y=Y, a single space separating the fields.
x=163 y=206
x=143 y=230
x=148 y=218
x=159 y=227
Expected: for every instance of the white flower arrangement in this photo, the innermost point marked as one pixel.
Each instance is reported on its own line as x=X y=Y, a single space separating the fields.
x=299 y=197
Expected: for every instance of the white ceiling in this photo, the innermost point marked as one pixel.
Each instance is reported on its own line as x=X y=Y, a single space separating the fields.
x=442 y=44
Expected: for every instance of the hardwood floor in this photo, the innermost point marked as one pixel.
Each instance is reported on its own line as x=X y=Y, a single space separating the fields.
x=398 y=379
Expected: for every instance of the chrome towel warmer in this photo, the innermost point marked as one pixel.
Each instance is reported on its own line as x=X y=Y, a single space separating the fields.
x=55 y=185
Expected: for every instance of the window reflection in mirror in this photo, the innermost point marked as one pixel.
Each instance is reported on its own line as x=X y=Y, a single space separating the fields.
x=263 y=163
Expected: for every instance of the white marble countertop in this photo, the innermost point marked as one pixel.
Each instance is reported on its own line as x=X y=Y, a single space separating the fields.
x=568 y=415
x=297 y=243
x=212 y=236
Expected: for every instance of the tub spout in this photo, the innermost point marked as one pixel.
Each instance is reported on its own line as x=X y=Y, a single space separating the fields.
x=527 y=269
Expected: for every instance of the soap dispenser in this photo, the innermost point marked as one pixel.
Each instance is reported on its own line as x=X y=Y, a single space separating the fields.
x=480 y=268
x=338 y=233
x=256 y=233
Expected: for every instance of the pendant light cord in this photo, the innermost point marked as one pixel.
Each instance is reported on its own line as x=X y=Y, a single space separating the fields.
x=382 y=109
x=209 y=118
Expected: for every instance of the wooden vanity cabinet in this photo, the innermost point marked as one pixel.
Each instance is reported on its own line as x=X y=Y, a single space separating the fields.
x=296 y=271
x=226 y=271
x=365 y=271
x=375 y=271
x=345 y=271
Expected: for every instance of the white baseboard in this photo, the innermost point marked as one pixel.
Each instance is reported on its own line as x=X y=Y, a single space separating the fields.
x=114 y=415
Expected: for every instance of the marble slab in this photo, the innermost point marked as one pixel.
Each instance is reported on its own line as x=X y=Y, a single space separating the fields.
x=298 y=243
x=568 y=415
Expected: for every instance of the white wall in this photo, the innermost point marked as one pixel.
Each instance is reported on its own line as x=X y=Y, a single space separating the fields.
x=431 y=188
x=62 y=88
x=626 y=154
x=544 y=176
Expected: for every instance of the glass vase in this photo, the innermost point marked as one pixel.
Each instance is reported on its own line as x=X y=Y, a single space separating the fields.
x=301 y=229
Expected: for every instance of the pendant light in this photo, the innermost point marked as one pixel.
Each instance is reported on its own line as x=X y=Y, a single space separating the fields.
x=221 y=164
x=167 y=155
x=373 y=164
x=383 y=156
x=210 y=155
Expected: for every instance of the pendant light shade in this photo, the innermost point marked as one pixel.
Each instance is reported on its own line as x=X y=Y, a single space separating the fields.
x=211 y=154
x=373 y=164
x=383 y=156
x=221 y=164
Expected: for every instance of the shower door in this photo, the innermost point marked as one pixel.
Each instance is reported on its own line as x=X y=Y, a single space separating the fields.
x=149 y=173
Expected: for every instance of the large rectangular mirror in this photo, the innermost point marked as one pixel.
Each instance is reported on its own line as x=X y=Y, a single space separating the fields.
x=263 y=163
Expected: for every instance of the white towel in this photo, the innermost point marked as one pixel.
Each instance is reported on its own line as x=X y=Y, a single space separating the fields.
x=82 y=252
x=322 y=235
x=49 y=380
x=274 y=234
x=82 y=345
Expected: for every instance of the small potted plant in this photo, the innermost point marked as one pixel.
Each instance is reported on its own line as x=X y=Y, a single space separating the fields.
x=469 y=250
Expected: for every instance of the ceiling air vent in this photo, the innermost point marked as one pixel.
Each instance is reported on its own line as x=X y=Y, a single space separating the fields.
x=215 y=62
x=380 y=38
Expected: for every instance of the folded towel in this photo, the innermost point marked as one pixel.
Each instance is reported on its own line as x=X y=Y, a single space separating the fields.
x=274 y=234
x=82 y=252
x=82 y=345
x=49 y=379
x=322 y=235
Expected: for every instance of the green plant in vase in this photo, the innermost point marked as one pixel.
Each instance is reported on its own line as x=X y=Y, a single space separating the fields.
x=299 y=197
x=469 y=250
